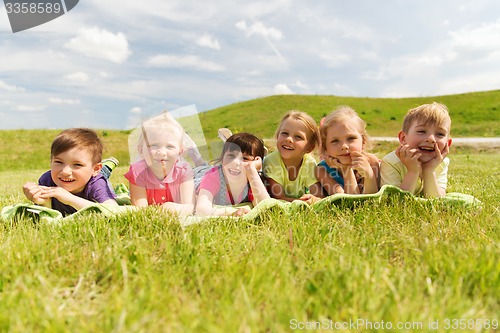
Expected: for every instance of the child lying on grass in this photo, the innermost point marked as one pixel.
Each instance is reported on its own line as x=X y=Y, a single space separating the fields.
x=420 y=164
x=74 y=180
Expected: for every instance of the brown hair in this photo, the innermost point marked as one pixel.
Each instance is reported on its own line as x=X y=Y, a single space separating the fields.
x=346 y=114
x=434 y=113
x=81 y=138
x=313 y=137
x=246 y=143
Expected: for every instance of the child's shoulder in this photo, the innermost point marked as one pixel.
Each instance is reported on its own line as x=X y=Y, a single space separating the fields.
x=139 y=164
x=272 y=154
x=309 y=158
x=95 y=183
x=46 y=179
x=272 y=157
x=97 y=178
x=390 y=156
x=211 y=173
x=211 y=178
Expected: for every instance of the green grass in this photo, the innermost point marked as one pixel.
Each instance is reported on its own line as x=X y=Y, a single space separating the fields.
x=473 y=114
x=397 y=261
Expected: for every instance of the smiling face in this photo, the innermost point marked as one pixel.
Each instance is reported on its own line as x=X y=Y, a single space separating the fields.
x=161 y=150
x=426 y=138
x=292 y=140
x=73 y=169
x=341 y=140
x=232 y=164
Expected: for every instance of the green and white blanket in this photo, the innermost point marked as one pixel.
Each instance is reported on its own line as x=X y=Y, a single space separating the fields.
x=337 y=201
x=345 y=201
x=48 y=215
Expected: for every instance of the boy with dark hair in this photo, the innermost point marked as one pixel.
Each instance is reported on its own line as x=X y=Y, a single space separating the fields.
x=74 y=180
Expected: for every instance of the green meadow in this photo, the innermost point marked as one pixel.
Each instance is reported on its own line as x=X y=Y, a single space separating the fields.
x=400 y=265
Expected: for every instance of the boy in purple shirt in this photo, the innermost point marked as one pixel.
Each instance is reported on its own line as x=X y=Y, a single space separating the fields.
x=74 y=180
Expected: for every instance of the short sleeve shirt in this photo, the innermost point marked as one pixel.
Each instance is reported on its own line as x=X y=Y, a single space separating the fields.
x=96 y=190
x=392 y=172
x=275 y=169
x=212 y=183
x=164 y=190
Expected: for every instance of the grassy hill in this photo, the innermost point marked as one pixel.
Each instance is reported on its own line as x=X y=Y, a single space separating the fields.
x=473 y=115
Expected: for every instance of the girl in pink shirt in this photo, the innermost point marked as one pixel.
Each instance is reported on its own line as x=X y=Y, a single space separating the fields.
x=235 y=180
x=160 y=177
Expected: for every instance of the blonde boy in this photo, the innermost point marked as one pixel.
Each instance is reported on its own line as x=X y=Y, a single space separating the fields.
x=419 y=165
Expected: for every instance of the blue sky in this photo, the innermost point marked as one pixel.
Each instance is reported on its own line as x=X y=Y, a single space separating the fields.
x=108 y=64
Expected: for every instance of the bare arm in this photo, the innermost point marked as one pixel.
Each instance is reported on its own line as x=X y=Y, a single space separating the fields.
x=409 y=157
x=347 y=171
x=315 y=194
x=327 y=182
x=138 y=195
x=350 y=182
x=361 y=163
x=68 y=198
x=259 y=190
x=431 y=187
x=186 y=206
x=205 y=207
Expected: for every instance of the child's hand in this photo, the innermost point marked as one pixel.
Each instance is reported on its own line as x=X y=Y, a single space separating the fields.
x=309 y=198
x=433 y=163
x=409 y=157
x=333 y=162
x=256 y=164
x=59 y=193
x=34 y=192
x=169 y=206
x=361 y=164
x=241 y=211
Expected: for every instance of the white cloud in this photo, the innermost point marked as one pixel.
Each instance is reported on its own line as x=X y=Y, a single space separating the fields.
x=408 y=67
x=189 y=61
x=262 y=8
x=282 y=89
x=485 y=37
x=259 y=28
x=63 y=101
x=268 y=34
x=474 y=82
x=301 y=85
x=335 y=59
x=29 y=108
x=474 y=44
x=208 y=41
x=136 y=110
x=100 y=44
x=9 y=87
x=77 y=76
